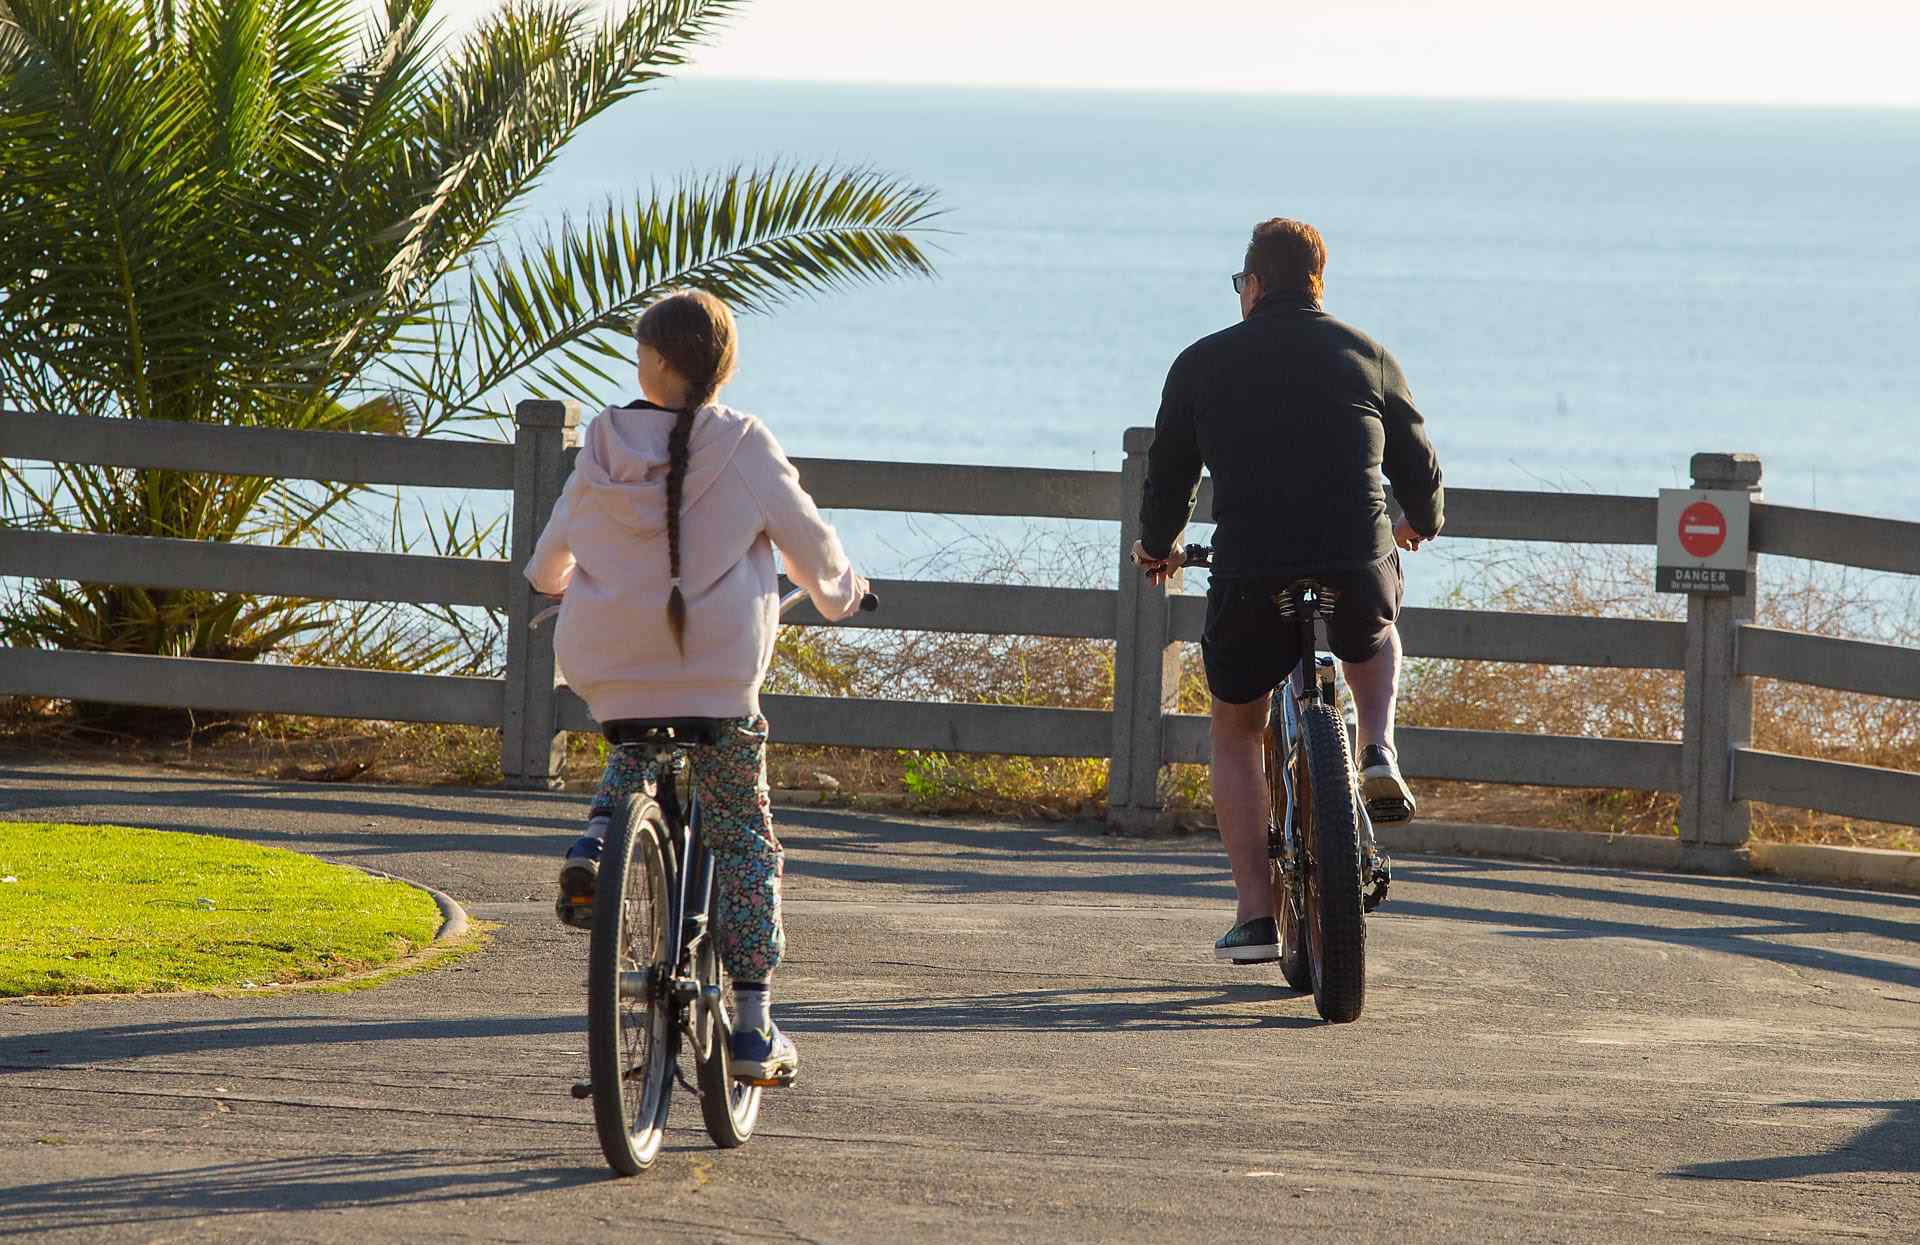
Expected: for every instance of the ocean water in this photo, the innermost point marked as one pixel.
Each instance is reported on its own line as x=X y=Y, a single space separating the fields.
x=1582 y=295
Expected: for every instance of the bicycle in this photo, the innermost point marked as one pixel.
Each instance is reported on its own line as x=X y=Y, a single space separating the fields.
x=654 y=975
x=1327 y=871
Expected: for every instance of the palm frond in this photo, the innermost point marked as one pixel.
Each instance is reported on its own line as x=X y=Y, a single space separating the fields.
x=550 y=315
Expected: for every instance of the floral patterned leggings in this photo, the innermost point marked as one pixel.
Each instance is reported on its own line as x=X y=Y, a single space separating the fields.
x=736 y=821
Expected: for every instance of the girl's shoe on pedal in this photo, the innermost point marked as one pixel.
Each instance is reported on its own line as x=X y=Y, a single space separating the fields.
x=578 y=877
x=763 y=1057
x=1250 y=942
x=1388 y=798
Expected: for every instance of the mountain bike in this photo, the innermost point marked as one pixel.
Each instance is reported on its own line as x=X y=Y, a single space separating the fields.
x=654 y=975
x=1327 y=871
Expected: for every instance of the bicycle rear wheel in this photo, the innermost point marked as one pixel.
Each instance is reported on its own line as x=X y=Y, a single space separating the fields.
x=1286 y=910
x=1336 y=919
x=630 y=1033
x=730 y=1107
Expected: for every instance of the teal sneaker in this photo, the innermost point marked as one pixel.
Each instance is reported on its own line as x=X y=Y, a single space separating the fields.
x=1250 y=942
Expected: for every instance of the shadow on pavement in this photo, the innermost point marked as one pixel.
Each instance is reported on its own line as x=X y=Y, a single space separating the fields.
x=1892 y=1146
x=228 y=1033
x=1745 y=929
x=321 y=1182
x=1137 y=1009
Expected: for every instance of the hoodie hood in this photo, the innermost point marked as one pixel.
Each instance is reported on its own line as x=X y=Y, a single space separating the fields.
x=622 y=466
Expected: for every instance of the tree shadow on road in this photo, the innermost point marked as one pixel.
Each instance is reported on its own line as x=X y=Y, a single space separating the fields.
x=1105 y=1009
x=194 y=1036
x=1890 y=1146
x=320 y=1182
x=1735 y=921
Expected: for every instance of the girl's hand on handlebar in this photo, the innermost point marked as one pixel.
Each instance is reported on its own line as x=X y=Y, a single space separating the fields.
x=1405 y=537
x=1157 y=570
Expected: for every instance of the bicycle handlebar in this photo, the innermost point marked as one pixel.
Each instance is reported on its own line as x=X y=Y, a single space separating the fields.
x=868 y=603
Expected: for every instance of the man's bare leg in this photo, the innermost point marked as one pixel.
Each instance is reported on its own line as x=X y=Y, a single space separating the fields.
x=1240 y=801
x=1375 y=683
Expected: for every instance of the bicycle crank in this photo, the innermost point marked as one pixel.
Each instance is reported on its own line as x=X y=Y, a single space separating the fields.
x=1379 y=876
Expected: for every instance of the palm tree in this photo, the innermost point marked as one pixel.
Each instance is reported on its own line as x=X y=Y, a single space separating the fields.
x=280 y=213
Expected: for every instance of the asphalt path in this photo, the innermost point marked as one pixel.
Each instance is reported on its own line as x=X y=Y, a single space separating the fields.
x=1008 y=1033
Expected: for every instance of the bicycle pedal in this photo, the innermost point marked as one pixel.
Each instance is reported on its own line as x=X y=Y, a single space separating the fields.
x=770 y=1082
x=579 y=914
x=1389 y=811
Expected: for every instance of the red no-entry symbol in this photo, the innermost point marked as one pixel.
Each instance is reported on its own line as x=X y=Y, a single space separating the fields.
x=1703 y=529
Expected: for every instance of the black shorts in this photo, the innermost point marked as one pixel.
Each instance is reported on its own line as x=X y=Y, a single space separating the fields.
x=1250 y=649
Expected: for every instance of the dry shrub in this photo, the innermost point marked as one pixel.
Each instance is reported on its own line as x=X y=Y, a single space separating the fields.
x=1612 y=581
x=964 y=669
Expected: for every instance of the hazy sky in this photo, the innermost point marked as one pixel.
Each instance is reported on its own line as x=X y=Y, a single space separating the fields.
x=1814 y=51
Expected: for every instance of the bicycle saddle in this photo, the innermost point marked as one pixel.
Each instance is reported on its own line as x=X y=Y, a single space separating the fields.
x=1306 y=596
x=704 y=731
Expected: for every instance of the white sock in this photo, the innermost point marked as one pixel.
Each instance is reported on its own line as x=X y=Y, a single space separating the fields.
x=752 y=1006
x=597 y=826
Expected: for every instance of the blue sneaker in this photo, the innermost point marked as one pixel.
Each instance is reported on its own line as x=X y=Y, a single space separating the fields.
x=578 y=876
x=763 y=1057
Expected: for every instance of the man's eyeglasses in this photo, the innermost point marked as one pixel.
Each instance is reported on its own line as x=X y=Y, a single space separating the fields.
x=1240 y=282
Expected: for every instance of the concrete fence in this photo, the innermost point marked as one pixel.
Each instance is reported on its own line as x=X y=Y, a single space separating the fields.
x=1713 y=768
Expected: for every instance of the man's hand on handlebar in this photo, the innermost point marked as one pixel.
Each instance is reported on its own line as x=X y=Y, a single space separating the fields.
x=1157 y=570
x=1405 y=537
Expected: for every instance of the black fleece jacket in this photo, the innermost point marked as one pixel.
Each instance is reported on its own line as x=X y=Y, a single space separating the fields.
x=1296 y=415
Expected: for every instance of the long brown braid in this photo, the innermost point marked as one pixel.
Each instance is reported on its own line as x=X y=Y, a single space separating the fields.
x=693 y=332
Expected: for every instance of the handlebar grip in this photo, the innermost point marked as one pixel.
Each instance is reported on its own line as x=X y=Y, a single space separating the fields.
x=869 y=603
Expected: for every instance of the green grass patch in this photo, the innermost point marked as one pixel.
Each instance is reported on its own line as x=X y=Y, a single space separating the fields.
x=111 y=909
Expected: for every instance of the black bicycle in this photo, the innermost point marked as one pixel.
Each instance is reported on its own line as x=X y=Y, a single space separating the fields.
x=654 y=975
x=1327 y=871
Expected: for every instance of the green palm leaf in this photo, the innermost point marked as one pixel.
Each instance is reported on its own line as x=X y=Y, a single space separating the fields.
x=284 y=213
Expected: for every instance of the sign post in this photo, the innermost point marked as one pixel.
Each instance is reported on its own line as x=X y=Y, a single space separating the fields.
x=1703 y=541
x=1705 y=553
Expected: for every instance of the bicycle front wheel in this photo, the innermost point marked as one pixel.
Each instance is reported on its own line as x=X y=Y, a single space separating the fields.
x=1336 y=919
x=630 y=1034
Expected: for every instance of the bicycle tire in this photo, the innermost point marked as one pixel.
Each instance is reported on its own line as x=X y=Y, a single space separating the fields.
x=631 y=1042
x=1293 y=949
x=730 y=1107
x=1335 y=873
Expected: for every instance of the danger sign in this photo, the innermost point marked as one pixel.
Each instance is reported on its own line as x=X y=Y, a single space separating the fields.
x=1703 y=540
x=1703 y=529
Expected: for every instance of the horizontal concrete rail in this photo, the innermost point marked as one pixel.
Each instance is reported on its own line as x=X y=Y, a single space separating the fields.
x=1502 y=514
x=1487 y=635
x=1495 y=756
x=320 y=574
x=1836 y=787
x=944 y=488
x=250 y=687
x=340 y=457
x=978 y=609
x=1824 y=661
x=831 y=721
x=1829 y=536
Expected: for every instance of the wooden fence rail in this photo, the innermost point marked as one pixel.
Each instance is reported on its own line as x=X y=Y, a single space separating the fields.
x=1719 y=648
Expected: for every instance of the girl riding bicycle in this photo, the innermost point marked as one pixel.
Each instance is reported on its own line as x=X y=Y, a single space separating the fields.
x=670 y=516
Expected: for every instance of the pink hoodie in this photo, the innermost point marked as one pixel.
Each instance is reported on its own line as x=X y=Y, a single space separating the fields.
x=606 y=548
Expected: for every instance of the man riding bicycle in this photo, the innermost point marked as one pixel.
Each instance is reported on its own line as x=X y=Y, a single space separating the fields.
x=1296 y=415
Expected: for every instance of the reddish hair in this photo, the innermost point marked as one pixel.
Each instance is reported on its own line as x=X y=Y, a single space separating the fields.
x=1289 y=257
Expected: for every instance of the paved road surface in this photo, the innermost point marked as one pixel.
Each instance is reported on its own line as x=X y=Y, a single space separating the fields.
x=1008 y=1034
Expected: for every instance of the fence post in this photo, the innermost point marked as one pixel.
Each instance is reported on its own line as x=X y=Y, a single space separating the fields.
x=1146 y=663
x=531 y=745
x=1719 y=701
